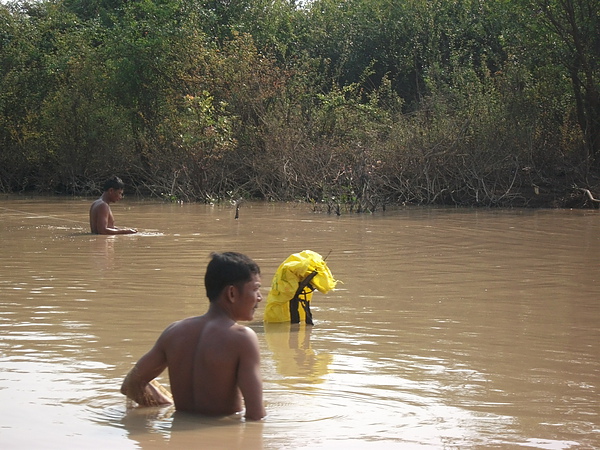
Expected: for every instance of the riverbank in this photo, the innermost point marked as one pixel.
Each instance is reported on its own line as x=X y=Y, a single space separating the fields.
x=553 y=194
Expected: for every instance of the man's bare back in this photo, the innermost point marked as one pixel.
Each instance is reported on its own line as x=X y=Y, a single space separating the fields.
x=213 y=362
x=210 y=349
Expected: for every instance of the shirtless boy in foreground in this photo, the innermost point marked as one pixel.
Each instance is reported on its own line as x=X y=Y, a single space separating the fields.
x=101 y=217
x=212 y=360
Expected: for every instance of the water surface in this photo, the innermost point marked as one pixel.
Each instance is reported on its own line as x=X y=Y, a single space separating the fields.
x=450 y=328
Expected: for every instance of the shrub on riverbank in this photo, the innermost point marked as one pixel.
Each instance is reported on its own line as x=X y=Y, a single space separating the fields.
x=348 y=105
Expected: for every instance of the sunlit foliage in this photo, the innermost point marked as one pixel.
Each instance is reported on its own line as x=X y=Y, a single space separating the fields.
x=348 y=104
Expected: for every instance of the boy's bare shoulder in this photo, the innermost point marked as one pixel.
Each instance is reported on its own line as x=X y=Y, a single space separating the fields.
x=99 y=204
x=234 y=336
x=216 y=330
x=244 y=335
x=181 y=327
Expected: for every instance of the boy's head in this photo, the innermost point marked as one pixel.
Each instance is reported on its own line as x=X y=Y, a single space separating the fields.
x=226 y=269
x=115 y=183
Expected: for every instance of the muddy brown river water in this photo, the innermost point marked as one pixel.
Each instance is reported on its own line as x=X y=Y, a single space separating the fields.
x=451 y=328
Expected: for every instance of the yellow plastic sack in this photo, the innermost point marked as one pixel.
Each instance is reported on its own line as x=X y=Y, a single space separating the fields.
x=286 y=281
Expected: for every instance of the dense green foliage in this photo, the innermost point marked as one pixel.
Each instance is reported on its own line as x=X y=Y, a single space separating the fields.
x=344 y=103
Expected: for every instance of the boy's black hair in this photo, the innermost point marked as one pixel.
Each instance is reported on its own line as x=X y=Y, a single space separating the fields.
x=114 y=182
x=226 y=269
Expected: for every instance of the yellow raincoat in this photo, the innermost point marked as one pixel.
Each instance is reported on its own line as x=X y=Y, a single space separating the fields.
x=292 y=287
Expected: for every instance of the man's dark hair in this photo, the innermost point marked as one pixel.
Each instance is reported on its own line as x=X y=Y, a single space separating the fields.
x=226 y=269
x=115 y=183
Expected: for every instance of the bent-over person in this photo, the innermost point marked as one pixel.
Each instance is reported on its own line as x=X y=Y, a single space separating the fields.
x=213 y=362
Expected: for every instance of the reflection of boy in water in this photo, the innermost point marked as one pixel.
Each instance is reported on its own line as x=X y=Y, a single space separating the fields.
x=101 y=217
x=213 y=361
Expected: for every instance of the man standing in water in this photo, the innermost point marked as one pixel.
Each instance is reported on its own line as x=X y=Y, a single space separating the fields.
x=101 y=217
x=213 y=361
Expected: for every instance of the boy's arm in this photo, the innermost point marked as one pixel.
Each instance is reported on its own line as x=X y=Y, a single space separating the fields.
x=139 y=384
x=101 y=217
x=249 y=378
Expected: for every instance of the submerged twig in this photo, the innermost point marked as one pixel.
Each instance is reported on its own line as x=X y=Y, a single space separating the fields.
x=237 y=208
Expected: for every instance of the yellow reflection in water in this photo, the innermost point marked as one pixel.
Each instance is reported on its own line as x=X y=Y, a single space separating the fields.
x=293 y=354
